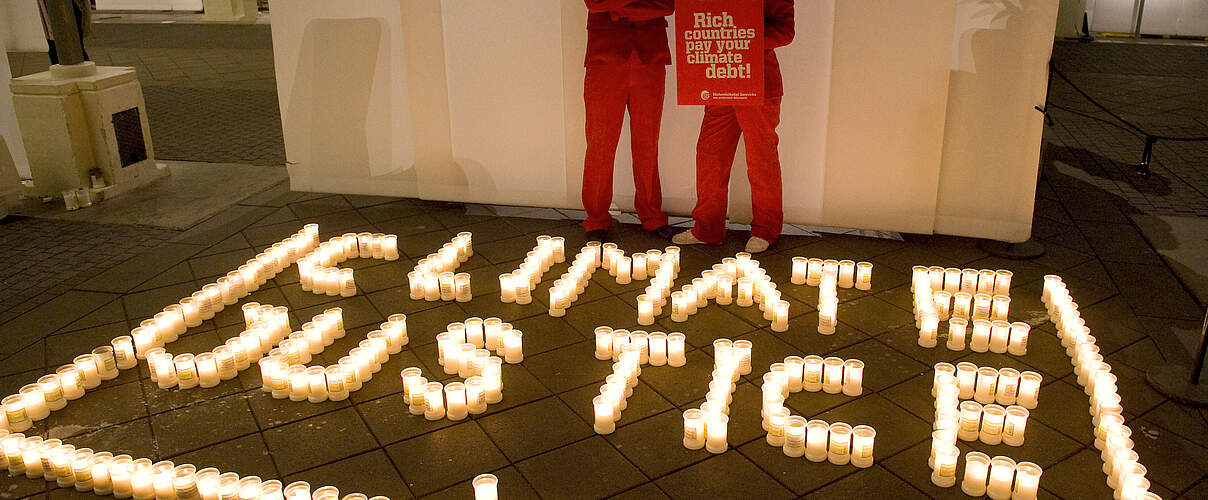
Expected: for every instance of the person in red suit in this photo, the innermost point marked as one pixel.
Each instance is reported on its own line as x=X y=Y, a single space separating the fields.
x=627 y=58
x=718 y=141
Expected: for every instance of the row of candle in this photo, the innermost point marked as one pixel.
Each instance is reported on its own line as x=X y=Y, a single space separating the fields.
x=1125 y=474
x=813 y=373
x=656 y=348
x=433 y=279
x=1000 y=478
x=663 y=274
x=708 y=426
x=284 y=373
x=34 y=402
x=567 y=288
x=1005 y=386
x=847 y=273
x=266 y=326
x=618 y=387
x=51 y=392
x=317 y=271
x=466 y=344
x=970 y=420
x=996 y=336
x=953 y=280
x=736 y=280
x=454 y=400
x=819 y=441
x=517 y=286
x=124 y=477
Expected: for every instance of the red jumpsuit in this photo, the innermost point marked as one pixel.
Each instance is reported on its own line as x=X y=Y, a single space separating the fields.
x=627 y=58
x=718 y=141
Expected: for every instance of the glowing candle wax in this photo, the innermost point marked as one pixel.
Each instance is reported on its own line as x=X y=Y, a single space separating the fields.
x=977 y=474
x=816 y=440
x=694 y=429
x=1002 y=475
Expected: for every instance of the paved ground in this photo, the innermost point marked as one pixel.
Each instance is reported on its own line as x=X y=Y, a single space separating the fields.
x=539 y=439
x=210 y=89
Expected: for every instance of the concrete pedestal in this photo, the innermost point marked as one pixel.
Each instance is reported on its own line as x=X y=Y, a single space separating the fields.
x=10 y=183
x=230 y=11
x=77 y=118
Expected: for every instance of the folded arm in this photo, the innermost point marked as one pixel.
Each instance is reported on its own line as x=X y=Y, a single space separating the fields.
x=778 y=26
x=605 y=5
x=645 y=10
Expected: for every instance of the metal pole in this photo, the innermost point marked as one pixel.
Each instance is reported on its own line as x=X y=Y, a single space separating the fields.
x=61 y=20
x=1140 y=14
x=1198 y=368
x=1180 y=382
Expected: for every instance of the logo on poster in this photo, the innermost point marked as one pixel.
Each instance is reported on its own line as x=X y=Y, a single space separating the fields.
x=704 y=95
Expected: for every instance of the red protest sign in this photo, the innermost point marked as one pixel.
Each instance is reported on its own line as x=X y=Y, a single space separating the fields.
x=719 y=52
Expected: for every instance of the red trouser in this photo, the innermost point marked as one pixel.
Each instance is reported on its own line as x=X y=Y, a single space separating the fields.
x=719 y=132
x=607 y=90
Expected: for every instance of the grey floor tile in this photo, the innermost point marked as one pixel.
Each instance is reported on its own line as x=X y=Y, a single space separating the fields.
x=318 y=440
x=587 y=469
x=729 y=475
x=440 y=459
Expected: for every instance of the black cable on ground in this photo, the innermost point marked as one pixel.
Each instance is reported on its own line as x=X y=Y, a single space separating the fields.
x=1147 y=135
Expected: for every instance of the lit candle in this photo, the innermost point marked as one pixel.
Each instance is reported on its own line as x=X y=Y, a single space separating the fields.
x=812 y=369
x=977 y=473
x=1000 y=334
x=957 y=327
x=605 y=422
x=863 y=438
x=142 y=480
x=603 y=342
x=434 y=401
x=1007 y=390
x=492 y=377
x=35 y=402
x=814 y=272
x=816 y=440
x=971 y=418
x=1017 y=345
x=944 y=472
x=675 y=349
x=513 y=347
x=961 y=305
x=980 y=340
x=864 y=276
x=1029 y=389
x=839 y=450
x=943 y=304
x=51 y=388
x=1027 y=477
x=1015 y=424
x=299 y=385
x=1002 y=475
x=485 y=487
x=334 y=381
x=780 y=316
x=832 y=378
x=929 y=329
x=746 y=292
x=986 y=388
x=853 y=377
x=694 y=429
x=89 y=369
x=207 y=370
x=794 y=429
x=123 y=352
x=658 y=348
x=716 y=430
x=455 y=401
x=993 y=417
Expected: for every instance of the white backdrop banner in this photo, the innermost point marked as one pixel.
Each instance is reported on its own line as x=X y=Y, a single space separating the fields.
x=482 y=101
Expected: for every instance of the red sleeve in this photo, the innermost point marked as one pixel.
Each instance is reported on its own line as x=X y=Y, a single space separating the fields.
x=605 y=5
x=645 y=10
x=777 y=23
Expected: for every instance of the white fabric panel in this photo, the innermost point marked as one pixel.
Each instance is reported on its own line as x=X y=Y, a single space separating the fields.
x=1113 y=16
x=503 y=61
x=21 y=26
x=8 y=117
x=987 y=183
x=1175 y=17
x=343 y=96
x=886 y=116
